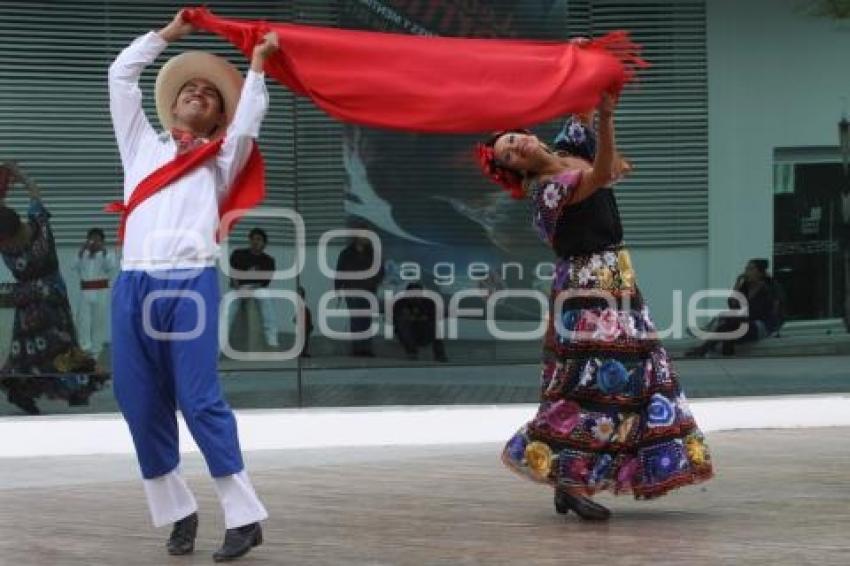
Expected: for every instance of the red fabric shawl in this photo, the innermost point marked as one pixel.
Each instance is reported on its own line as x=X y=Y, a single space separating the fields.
x=434 y=84
x=246 y=192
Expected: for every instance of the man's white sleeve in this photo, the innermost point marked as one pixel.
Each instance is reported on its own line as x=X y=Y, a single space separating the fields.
x=125 y=98
x=244 y=129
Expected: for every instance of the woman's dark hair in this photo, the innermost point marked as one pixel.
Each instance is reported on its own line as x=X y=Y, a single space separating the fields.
x=96 y=232
x=761 y=264
x=510 y=179
x=10 y=223
x=259 y=232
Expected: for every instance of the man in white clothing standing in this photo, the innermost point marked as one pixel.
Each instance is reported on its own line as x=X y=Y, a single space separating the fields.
x=165 y=302
x=95 y=265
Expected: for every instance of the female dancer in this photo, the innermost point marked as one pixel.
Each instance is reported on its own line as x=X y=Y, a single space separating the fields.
x=44 y=341
x=612 y=414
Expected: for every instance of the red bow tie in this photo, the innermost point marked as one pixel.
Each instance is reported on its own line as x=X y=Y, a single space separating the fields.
x=186 y=140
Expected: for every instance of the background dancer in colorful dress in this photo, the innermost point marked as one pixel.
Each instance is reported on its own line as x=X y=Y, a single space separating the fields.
x=44 y=340
x=168 y=275
x=612 y=414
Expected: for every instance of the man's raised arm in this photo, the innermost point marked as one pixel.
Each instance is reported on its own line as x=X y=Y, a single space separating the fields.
x=125 y=98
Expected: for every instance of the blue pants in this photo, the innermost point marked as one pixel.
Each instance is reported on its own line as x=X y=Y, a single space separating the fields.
x=155 y=375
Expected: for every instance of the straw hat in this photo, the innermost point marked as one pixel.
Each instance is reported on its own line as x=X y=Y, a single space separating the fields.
x=179 y=70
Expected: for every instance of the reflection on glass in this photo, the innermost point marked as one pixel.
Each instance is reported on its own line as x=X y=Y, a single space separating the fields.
x=43 y=338
x=808 y=228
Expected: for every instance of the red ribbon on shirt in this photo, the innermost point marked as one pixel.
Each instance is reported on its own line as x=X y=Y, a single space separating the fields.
x=435 y=84
x=247 y=190
x=186 y=141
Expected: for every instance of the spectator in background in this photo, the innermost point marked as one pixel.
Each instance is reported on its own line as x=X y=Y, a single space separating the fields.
x=359 y=256
x=415 y=322
x=95 y=265
x=44 y=341
x=254 y=258
x=764 y=311
x=307 y=323
x=845 y=242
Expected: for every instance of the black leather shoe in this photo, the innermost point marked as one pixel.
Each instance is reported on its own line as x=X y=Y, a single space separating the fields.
x=23 y=401
x=584 y=507
x=561 y=507
x=182 y=539
x=238 y=541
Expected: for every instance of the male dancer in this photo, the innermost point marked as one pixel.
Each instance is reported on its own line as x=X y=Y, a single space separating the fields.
x=165 y=300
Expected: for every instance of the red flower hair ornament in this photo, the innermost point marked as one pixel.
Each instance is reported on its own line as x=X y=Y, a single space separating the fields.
x=510 y=179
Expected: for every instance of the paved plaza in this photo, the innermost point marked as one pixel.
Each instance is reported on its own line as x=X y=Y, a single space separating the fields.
x=780 y=498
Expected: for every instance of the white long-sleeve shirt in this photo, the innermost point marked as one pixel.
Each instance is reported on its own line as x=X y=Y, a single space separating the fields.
x=94 y=267
x=175 y=228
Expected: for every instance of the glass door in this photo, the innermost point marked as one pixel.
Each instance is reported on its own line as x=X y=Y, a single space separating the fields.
x=810 y=238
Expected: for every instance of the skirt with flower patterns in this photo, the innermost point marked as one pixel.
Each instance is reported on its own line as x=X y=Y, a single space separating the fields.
x=612 y=414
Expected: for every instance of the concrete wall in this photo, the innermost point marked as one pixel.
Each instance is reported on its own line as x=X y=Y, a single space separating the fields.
x=668 y=278
x=776 y=79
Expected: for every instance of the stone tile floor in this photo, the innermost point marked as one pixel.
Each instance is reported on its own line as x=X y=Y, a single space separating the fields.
x=780 y=498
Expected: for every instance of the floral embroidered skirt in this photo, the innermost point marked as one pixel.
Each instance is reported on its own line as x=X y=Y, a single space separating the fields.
x=44 y=341
x=612 y=414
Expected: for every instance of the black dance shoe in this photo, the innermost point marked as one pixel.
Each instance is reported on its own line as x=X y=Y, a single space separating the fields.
x=561 y=507
x=182 y=539
x=584 y=507
x=23 y=401
x=238 y=541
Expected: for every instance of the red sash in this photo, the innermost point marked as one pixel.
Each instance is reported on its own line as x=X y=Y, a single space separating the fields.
x=94 y=285
x=247 y=191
